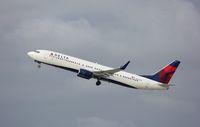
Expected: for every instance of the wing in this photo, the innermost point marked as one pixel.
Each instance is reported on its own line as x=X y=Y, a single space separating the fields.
x=108 y=73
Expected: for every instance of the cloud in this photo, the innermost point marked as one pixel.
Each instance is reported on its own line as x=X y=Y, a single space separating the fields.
x=149 y=33
x=50 y=33
x=171 y=103
x=98 y=122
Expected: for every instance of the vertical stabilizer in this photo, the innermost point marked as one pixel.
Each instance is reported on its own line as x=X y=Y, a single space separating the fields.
x=165 y=74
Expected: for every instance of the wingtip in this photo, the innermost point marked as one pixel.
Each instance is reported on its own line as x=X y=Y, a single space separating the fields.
x=125 y=65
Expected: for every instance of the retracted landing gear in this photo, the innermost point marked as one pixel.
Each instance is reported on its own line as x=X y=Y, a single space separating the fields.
x=98 y=83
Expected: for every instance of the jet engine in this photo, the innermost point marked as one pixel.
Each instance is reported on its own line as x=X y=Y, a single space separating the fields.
x=85 y=74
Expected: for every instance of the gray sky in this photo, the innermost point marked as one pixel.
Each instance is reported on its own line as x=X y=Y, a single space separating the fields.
x=151 y=33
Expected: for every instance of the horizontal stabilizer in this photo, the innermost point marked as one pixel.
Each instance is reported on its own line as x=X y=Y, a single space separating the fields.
x=166 y=85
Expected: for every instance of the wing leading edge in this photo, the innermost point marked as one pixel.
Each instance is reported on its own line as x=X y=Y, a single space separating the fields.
x=108 y=73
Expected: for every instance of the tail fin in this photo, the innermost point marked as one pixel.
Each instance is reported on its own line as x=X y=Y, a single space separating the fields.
x=165 y=74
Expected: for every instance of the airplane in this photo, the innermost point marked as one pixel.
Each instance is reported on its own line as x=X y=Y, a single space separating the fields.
x=87 y=70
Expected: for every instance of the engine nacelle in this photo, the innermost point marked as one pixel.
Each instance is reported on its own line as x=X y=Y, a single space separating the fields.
x=85 y=74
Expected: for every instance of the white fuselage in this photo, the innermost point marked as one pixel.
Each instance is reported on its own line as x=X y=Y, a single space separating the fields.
x=75 y=64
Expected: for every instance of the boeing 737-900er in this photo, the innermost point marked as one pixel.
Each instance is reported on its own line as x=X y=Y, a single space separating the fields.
x=88 y=70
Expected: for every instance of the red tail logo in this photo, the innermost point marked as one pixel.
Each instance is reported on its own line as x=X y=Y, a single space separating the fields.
x=165 y=74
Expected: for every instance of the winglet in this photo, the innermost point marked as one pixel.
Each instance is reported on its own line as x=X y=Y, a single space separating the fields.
x=125 y=65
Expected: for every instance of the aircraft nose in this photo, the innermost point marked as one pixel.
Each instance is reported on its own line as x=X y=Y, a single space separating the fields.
x=30 y=54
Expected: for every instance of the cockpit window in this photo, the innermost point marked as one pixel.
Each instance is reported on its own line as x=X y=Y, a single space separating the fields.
x=37 y=51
